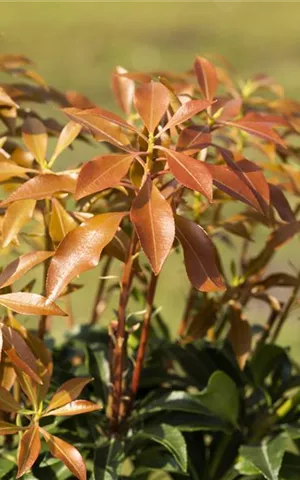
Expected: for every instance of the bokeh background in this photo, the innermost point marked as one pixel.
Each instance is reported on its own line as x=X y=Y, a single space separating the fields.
x=76 y=46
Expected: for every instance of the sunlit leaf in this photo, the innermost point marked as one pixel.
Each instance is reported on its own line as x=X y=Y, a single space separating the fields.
x=21 y=265
x=65 y=452
x=80 y=250
x=35 y=138
x=199 y=255
x=67 y=392
x=123 y=89
x=9 y=169
x=66 y=137
x=151 y=102
x=262 y=130
x=153 y=219
x=29 y=449
x=73 y=408
x=194 y=138
x=185 y=112
x=207 y=77
x=61 y=222
x=29 y=304
x=16 y=217
x=7 y=401
x=102 y=172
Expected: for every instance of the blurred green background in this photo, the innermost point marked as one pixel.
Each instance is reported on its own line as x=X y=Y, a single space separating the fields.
x=76 y=46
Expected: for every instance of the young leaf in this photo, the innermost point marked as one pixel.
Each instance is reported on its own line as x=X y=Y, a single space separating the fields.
x=65 y=452
x=80 y=251
x=67 y=392
x=21 y=265
x=123 y=89
x=207 y=77
x=29 y=304
x=102 y=172
x=194 y=138
x=190 y=172
x=7 y=428
x=61 y=223
x=153 y=219
x=7 y=401
x=35 y=137
x=185 y=112
x=43 y=186
x=29 y=449
x=16 y=216
x=9 y=169
x=151 y=102
x=199 y=256
x=66 y=137
x=73 y=408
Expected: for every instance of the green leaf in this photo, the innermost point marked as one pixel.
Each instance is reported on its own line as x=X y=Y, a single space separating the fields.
x=170 y=438
x=265 y=459
x=107 y=459
x=155 y=459
x=265 y=360
x=290 y=469
x=221 y=397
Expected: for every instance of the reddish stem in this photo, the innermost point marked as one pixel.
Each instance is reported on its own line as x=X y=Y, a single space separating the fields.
x=186 y=316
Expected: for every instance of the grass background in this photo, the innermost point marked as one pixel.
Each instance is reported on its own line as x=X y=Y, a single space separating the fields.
x=76 y=46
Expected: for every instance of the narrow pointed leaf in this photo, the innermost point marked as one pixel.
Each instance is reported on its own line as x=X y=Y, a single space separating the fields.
x=123 y=89
x=21 y=265
x=68 y=392
x=43 y=186
x=73 y=408
x=7 y=401
x=207 y=77
x=153 y=219
x=35 y=137
x=199 y=256
x=185 y=112
x=151 y=102
x=7 y=428
x=80 y=251
x=262 y=130
x=283 y=234
x=102 y=172
x=66 y=137
x=194 y=138
x=29 y=304
x=192 y=173
x=280 y=203
x=61 y=222
x=9 y=169
x=16 y=217
x=29 y=449
x=65 y=452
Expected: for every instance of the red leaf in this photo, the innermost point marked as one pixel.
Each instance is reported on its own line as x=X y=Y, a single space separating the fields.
x=123 y=89
x=206 y=76
x=67 y=392
x=240 y=335
x=29 y=449
x=199 y=256
x=192 y=173
x=43 y=186
x=262 y=130
x=80 y=250
x=194 y=138
x=65 y=452
x=76 y=407
x=185 y=112
x=283 y=234
x=102 y=172
x=151 y=102
x=153 y=219
x=280 y=203
x=29 y=304
x=21 y=265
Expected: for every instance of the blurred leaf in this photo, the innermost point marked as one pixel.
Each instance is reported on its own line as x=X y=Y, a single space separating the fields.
x=7 y=401
x=61 y=222
x=152 y=217
x=16 y=217
x=35 y=137
x=7 y=428
x=21 y=265
x=29 y=449
x=199 y=255
x=9 y=169
x=280 y=203
x=107 y=459
x=207 y=77
x=68 y=134
x=193 y=138
x=80 y=250
x=260 y=129
x=240 y=335
x=29 y=304
x=151 y=101
x=123 y=89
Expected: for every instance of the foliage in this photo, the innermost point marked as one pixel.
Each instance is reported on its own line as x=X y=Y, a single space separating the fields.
x=222 y=400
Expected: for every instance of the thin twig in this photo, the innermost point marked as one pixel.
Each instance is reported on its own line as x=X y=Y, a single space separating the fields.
x=286 y=311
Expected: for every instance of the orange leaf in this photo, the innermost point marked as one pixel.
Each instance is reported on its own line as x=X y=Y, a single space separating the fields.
x=151 y=102
x=61 y=222
x=29 y=304
x=240 y=335
x=102 y=172
x=35 y=137
x=9 y=169
x=65 y=452
x=7 y=401
x=16 y=217
x=194 y=138
x=68 y=392
x=185 y=112
x=192 y=173
x=207 y=77
x=21 y=265
x=66 y=137
x=43 y=186
x=199 y=256
x=280 y=203
x=7 y=428
x=262 y=130
x=29 y=449
x=74 y=408
x=123 y=89
x=153 y=219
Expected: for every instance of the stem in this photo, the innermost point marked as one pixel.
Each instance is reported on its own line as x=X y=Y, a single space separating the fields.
x=104 y=273
x=144 y=338
x=42 y=328
x=120 y=345
x=186 y=315
x=286 y=310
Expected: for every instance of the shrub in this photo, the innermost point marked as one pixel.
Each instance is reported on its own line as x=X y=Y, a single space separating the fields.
x=221 y=401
